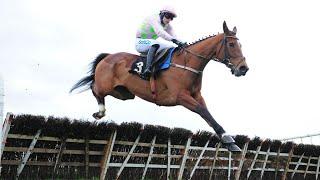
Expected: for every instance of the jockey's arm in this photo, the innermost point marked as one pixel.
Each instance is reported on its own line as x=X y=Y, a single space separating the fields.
x=172 y=32
x=175 y=39
x=159 y=30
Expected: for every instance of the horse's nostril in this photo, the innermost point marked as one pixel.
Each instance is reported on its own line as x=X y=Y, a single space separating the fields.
x=243 y=69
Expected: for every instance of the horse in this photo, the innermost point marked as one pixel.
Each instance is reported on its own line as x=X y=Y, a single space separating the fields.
x=178 y=85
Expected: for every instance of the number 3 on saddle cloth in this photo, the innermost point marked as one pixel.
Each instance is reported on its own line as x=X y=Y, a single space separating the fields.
x=161 y=62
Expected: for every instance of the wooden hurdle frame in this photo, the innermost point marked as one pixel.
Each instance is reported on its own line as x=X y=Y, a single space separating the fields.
x=260 y=160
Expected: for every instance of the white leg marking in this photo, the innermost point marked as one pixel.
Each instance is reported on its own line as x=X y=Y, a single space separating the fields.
x=102 y=108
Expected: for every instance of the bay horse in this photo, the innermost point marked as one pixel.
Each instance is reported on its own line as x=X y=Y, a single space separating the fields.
x=178 y=85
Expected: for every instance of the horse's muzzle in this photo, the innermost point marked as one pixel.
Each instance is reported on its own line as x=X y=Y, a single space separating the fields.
x=241 y=71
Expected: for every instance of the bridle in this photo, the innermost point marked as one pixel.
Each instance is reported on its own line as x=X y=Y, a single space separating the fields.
x=227 y=57
x=225 y=60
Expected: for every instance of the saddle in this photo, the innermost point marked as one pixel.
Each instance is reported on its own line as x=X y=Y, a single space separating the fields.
x=161 y=62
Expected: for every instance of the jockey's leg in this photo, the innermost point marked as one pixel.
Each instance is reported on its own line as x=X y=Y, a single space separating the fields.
x=150 y=56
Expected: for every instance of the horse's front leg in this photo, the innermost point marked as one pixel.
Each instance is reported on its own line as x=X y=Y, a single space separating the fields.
x=198 y=106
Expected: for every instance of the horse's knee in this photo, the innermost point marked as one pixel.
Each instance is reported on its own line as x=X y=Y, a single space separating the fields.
x=98 y=93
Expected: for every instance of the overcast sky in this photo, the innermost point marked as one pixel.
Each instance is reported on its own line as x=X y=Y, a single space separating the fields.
x=46 y=46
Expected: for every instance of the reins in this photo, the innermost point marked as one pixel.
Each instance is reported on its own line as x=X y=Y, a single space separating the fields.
x=225 y=60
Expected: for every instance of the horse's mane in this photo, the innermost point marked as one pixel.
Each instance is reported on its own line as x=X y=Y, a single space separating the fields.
x=202 y=39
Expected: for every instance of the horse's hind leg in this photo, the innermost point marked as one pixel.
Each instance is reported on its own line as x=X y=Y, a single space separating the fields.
x=101 y=103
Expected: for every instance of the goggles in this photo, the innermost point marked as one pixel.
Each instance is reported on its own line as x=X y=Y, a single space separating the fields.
x=169 y=16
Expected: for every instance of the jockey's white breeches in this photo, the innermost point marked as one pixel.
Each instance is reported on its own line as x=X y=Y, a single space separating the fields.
x=143 y=45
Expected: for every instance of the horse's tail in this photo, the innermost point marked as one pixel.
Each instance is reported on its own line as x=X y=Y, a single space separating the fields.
x=89 y=80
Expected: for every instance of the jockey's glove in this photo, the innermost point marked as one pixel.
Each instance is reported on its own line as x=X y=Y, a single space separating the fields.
x=179 y=43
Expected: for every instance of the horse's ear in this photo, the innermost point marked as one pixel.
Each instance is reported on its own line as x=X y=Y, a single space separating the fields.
x=234 y=30
x=225 y=27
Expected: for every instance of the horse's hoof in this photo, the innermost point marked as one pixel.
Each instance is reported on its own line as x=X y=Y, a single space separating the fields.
x=229 y=143
x=97 y=115
x=233 y=148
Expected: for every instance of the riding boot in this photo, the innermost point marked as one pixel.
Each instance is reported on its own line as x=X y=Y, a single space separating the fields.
x=151 y=53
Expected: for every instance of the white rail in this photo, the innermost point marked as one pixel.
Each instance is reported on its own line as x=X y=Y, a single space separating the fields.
x=301 y=137
x=1 y=99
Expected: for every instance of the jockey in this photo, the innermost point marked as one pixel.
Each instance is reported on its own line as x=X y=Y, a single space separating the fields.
x=151 y=29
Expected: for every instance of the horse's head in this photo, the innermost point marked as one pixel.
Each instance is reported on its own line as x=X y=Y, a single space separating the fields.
x=229 y=52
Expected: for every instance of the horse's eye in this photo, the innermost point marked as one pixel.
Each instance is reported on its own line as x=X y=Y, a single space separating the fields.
x=231 y=44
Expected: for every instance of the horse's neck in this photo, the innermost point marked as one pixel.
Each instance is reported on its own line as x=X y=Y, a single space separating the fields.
x=202 y=51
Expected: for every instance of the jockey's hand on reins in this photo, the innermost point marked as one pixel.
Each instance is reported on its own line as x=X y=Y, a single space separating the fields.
x=183 y=45
x=179 y=43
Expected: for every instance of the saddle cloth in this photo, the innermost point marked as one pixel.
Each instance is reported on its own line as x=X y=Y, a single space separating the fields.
x=161 y=62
